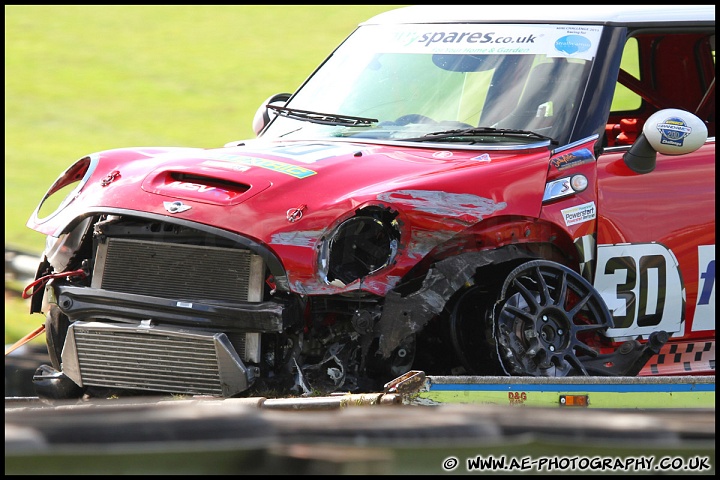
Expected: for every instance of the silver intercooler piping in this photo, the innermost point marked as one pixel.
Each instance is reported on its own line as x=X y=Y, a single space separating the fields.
x=154 y=358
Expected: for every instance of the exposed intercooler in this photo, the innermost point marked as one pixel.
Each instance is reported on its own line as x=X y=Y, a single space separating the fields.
x=144 y=354
x=159 y=359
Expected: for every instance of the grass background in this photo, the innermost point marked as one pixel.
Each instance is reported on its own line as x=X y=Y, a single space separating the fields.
x=80 y=79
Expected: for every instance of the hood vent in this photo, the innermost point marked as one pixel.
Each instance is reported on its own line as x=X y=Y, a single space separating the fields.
x=212 y=189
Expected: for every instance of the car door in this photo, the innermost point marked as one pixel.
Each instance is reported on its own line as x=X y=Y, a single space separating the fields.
x=656 y=231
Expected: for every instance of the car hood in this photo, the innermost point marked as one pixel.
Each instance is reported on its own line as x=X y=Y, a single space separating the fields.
x=323 y=171
x=262 y=182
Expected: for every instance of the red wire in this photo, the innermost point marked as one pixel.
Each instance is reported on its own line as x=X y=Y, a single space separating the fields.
x=47 y=278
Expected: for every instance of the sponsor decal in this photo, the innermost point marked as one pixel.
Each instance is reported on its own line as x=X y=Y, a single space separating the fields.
x=642 y=286
x=499 y=39
x=673 y=130
x=579 y=213
x=705 y=307
x=473 y=37
x=443 y=154
x=482 y=158
x=274 y=165
x=572 y=44
x=195 y=187
x=573 y=159
x=308 y=152
x=226 y=166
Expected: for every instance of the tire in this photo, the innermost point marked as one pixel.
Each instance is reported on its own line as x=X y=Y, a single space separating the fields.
x=545 y=317
x=471 y=332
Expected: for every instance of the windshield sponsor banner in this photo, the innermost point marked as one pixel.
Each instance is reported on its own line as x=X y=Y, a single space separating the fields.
x=570 y=41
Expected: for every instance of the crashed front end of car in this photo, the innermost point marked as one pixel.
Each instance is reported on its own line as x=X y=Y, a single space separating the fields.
x=371 y=228
x=160 y=294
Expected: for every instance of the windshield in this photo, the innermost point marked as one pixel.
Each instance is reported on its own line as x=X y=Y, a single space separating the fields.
x=407 y=81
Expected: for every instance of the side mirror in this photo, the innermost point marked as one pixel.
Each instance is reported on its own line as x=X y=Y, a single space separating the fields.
x=263 y=114
x=670 y=132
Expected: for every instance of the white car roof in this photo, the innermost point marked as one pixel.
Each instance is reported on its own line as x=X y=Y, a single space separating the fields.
x=573 y=14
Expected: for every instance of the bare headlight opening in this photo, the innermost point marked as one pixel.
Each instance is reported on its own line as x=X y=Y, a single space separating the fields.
x=64 y=190
x=359 y=246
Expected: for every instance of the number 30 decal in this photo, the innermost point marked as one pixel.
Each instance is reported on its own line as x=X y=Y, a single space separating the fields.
x=642 y=287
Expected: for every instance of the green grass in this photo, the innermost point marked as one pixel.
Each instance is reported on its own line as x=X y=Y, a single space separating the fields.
x=80 y=79
x=19 y=322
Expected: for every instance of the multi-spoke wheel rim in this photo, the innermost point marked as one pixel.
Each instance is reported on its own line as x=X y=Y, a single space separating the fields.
x=543 y=319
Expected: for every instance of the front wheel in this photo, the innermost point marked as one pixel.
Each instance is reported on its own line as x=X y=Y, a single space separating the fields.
x=545 y=316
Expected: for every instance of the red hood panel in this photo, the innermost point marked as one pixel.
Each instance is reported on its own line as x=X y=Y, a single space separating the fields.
x=328 y=177
x=230 y=176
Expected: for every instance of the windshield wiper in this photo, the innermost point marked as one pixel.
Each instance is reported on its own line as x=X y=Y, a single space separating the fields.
x=322 y=118
x=479 y=131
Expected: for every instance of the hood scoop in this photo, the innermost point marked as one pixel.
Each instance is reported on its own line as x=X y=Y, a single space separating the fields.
x=198 y=187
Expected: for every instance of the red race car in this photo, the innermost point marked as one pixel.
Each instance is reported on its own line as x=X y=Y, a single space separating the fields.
x=469 y=190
